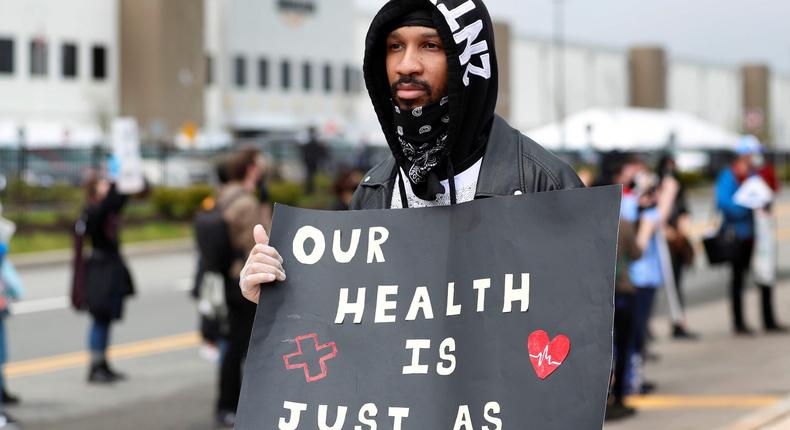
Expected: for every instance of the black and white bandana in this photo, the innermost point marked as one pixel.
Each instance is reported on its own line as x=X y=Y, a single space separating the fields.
x=422 y=133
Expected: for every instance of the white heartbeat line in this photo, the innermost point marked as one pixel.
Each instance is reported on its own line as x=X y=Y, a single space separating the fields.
x=545 y=356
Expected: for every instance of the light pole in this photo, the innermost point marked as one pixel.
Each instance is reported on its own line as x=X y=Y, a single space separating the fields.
x=559 y=67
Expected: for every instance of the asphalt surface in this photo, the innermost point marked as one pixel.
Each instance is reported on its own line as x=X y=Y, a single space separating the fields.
x=170 y=385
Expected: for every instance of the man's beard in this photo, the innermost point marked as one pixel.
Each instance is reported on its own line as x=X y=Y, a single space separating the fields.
x=411 y=80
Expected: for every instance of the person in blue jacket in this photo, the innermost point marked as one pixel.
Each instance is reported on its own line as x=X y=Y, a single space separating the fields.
x=738 y=222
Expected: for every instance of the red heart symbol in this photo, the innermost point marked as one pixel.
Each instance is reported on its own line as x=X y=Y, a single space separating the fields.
x=547 y=356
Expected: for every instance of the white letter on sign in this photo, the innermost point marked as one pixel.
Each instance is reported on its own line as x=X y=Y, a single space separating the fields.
x=346 y=256
x=304 y=233
x=446 y=350
x=464 y=419
x=296 y=412
x=344 y=307
x=421 y=301
x=415 y=368
x=481 y=285
x=516 y=295
x=398 y=414
x=366 y=415
x=383 y=305
x=376 y=237
x=492 y=408
x=339 y=420
x=452 y=308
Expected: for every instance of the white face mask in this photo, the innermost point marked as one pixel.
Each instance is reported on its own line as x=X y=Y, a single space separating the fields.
x=758 y=160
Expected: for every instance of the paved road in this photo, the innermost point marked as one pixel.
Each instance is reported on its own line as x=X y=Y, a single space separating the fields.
x=171 y=387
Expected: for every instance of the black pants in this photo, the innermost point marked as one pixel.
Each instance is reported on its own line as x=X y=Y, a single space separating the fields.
x=623 y=325
x=240 y=319
x=740 y=269
x=766 y=297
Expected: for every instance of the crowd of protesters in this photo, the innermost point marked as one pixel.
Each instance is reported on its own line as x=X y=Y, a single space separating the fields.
x=655 y=247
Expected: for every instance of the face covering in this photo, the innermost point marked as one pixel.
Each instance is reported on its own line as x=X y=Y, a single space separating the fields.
x=422 y=133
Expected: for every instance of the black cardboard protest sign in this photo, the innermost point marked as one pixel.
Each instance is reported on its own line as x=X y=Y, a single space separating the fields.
x=494 y=314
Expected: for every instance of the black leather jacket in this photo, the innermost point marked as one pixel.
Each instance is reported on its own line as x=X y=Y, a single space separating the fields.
x=512 y=164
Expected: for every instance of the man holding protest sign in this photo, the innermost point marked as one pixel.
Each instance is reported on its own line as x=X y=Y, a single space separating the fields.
x=431 y=72
x=436 y=109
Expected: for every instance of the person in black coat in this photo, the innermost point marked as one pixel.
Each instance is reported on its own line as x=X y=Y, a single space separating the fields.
x=107 y=279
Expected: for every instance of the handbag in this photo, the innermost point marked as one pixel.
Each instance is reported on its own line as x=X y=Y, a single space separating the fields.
x=721 y=247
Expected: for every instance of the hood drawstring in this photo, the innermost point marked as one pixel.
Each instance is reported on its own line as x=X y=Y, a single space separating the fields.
x=451 y=180
x=404 y=201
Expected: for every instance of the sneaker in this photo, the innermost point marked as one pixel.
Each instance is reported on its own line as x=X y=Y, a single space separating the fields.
x=776 y=329
x=680 y=332
x=9 y=399
x=617 y=411
x=115 y=374
x=226 y=419
x=647 y=387
x=100 y=375
x=743 y=331
x=8 y=423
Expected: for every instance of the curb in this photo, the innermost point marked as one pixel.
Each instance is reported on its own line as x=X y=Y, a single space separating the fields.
x=64 y=256
x=772 y=417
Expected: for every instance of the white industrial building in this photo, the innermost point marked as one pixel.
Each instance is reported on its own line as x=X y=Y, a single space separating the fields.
x=273 y=65
x=58 y=70
x=280 y=65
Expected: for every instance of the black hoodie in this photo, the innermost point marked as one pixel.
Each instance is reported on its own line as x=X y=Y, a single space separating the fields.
x=467 y=34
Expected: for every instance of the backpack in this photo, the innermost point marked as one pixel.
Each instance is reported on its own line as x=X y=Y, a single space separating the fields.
x=213 y=240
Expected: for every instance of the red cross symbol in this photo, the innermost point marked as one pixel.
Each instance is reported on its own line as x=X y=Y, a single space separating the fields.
x=295 y=360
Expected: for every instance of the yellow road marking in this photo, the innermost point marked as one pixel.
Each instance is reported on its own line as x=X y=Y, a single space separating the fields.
x=190 y=340
x=118 y=352
x=697 y=402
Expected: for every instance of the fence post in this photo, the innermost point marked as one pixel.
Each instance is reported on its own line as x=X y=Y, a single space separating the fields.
x=21 y=156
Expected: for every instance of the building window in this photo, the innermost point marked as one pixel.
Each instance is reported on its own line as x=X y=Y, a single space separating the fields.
x=263 y=73
x=285 y=74
x=38 y=57
x=209 y=70
x=69 y=60
x=99 y=56
x=6 y=56
x=358 y=81
x=328 y=78
x=348 y=79
x=240 y=71
x=307 y=76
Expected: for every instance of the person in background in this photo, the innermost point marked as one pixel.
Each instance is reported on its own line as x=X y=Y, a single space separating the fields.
x=241 y=211
x=738 y=221
x=622 y=170
x=6 y=231
x=345 y=185
x=766 y=171
x=676 y=232
x=314 y=155
x=211 y=306
x=654 y=205
x=107 y=279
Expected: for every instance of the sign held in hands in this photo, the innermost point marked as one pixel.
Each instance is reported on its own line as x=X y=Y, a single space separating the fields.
x=487 y=315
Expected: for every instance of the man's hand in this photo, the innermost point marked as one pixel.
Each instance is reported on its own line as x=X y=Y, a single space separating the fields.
x=264 y=265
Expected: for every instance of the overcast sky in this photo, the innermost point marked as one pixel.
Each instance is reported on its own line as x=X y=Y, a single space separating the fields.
x=727 y=32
